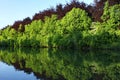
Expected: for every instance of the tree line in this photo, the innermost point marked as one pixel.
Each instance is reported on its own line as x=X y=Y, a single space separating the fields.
x=94 y=11
x=75 y=30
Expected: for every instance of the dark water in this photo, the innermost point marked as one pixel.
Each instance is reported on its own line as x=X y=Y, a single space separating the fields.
x=47 y=64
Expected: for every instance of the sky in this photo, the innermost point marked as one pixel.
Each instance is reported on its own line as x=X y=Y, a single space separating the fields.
x=14 y=10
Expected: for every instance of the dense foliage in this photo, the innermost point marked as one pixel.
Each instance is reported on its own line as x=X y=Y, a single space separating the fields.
x=74 y=30
x=94 y=11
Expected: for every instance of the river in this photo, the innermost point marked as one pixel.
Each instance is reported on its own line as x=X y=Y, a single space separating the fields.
x=52 y=64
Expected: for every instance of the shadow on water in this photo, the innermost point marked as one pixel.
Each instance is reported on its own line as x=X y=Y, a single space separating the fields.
x=52 y=64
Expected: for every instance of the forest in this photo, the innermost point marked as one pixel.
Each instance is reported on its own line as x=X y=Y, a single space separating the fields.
x=75 y=25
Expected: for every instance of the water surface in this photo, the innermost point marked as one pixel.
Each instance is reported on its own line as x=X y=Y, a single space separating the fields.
x=8 y=72
x=47 y=64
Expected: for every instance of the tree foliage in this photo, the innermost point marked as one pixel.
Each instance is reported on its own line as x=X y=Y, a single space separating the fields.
x=74 y=30
x=94 y=11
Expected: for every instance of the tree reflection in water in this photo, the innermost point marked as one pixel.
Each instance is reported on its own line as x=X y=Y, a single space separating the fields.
x=53 y=64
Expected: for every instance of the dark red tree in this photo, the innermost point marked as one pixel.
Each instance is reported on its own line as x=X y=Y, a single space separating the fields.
x=17 y=24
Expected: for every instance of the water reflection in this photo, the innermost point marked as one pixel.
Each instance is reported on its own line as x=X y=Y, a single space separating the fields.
x=54 y=64
x=8 y=72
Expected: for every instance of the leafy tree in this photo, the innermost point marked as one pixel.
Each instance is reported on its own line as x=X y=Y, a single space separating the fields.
x=111 y=16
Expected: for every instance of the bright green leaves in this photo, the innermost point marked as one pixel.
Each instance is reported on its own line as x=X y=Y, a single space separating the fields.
x=115 y=15
x=106 y=13
x=111 y=16
x=69 y=28
x=74 y=30
x=76 y=19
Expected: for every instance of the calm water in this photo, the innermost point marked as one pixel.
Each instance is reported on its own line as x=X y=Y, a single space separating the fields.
x=8 y=72
x=47 y=64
